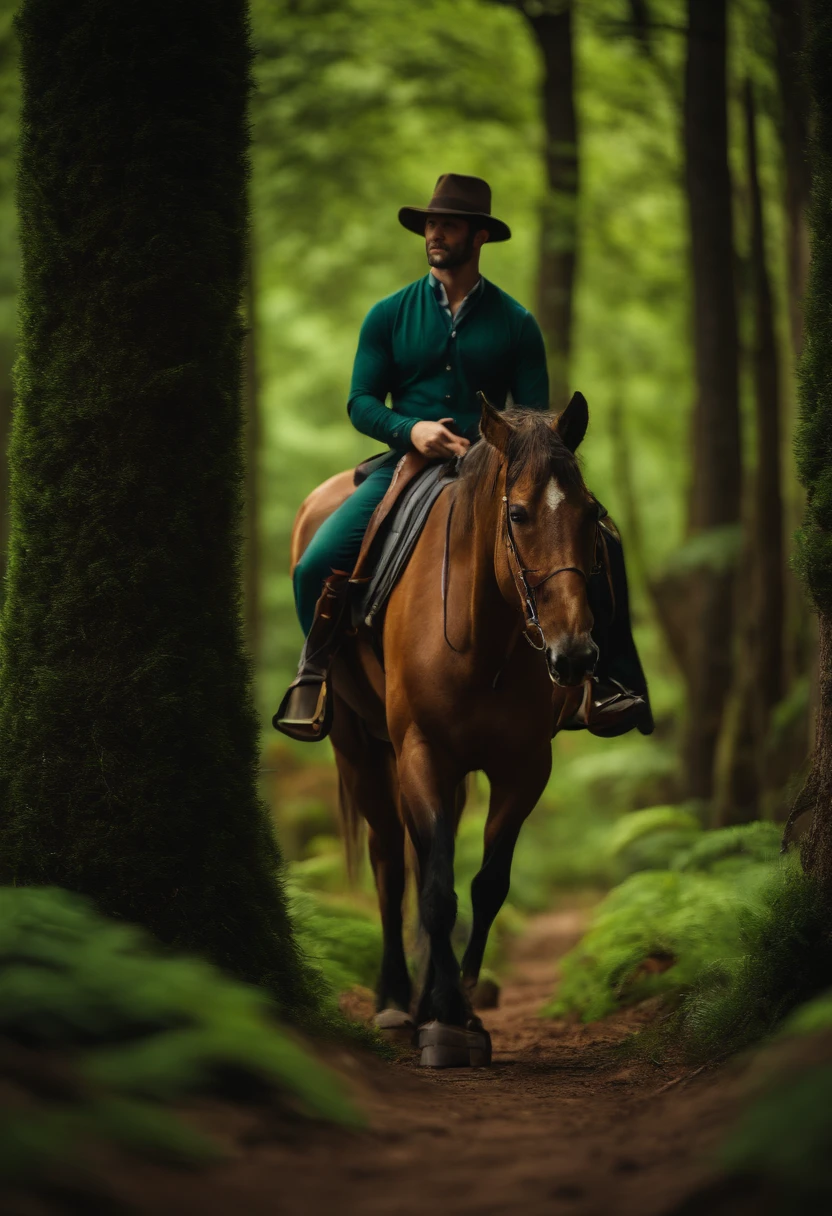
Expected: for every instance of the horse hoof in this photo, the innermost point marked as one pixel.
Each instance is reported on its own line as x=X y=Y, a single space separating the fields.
x=453 y=1047
x=393 y=1020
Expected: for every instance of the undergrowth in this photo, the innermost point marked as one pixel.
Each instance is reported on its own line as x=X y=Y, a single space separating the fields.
x=784 y=1134
x=730 y=934
x=101 y=1030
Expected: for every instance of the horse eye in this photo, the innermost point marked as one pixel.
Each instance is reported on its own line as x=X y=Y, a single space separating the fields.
x=519 y=515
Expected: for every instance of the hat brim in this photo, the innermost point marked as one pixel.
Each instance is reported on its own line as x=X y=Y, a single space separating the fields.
x=414 y=219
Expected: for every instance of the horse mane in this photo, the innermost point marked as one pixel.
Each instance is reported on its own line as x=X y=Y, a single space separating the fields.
x=534 y=447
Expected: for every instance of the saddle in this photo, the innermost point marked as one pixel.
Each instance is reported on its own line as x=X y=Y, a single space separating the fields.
x=393 y=531
x=305 y=713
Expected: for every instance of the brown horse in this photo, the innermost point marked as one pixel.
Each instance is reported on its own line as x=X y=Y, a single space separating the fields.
x=506 y=552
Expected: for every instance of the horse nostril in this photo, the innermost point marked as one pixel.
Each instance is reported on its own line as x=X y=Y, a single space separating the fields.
x=573 y=664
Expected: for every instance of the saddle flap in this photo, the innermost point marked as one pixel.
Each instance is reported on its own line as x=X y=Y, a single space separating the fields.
x=409 y=467
x=392 y=533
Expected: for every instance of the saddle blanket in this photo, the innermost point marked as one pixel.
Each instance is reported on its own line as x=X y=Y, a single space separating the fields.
x=396 y=540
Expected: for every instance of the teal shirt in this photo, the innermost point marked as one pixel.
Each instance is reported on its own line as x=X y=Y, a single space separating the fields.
x=432 y=366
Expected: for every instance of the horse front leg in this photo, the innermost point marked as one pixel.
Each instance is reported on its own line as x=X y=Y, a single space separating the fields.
x=514 y=795
x=428 y=781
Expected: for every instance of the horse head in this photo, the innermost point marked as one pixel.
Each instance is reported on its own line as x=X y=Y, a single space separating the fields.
x=547 y=536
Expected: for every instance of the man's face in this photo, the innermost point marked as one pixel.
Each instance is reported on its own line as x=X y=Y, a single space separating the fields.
x=451 y=241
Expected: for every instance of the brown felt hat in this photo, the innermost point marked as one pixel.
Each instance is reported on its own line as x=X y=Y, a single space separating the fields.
x=455 y=194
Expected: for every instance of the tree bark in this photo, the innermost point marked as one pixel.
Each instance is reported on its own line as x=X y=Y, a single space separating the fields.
x=812 y=442
x=789 y=35
x=744 y=770
x=768 y=595
x=558 y=225
x=251 y=547
x=128 y=737
x=716 y=487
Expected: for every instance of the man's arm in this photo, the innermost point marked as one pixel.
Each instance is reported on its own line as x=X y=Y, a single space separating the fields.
x=372 y=380
x=530 y=384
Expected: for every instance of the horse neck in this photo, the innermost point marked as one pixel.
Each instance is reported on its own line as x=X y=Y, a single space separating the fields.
x=489 y=621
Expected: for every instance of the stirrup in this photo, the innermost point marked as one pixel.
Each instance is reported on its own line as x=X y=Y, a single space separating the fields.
x=305 y=713
x=616 y=711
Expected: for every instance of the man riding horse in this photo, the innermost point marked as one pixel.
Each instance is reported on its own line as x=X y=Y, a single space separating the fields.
x=432 y=348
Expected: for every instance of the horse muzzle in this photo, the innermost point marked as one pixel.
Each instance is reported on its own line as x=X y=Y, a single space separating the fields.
x=572 y=660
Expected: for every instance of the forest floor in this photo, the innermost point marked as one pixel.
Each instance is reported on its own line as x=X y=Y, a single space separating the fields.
x=563 y=1122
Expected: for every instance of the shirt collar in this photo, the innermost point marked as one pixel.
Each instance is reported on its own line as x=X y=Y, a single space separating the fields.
x=441 y=295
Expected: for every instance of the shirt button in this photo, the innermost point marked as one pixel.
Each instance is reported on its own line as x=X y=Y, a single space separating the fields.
x=447 y=367
x=447 y=396
x=453 y=333
x=395 y=434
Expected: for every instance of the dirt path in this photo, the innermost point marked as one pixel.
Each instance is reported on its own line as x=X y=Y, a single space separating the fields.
x=560 y=1123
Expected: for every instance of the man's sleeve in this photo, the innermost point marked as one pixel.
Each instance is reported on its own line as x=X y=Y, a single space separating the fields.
x=372 y=380
x=530 y=386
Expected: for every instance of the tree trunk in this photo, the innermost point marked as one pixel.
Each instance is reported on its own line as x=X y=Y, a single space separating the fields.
x=715 y=492
x=767 y=596
x=744 y=770
x=251 y=550
x=6 y=406
x=788 y=24
x=788 y=28
x=558 y=227
x=814 y=457
x=128 y=738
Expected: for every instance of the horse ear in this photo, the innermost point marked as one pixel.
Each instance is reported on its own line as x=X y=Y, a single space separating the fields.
x=572 y=423
x=494 y=426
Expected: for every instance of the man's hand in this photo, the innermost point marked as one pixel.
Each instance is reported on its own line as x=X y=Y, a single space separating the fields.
x=434 y=439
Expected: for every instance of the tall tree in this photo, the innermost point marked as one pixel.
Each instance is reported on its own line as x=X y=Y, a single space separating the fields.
x=252 y=572
x=715 y=491
x=128 y=739
x=814 y=441
x=9 y=119
x=788 y=27
x=759 y=681
x=552 y=25
x=552 y=22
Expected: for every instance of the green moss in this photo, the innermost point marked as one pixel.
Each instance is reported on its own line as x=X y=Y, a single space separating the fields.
x=128 y=740
x=813 y=440
x=133 y=1029
x=784 y=958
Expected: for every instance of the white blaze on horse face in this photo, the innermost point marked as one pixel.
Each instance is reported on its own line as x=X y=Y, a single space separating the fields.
x=554 y=495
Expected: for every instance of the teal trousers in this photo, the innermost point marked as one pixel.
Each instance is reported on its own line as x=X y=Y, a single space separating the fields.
x=336 y=544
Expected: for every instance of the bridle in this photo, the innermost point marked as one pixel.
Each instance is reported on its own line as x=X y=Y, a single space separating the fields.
x=527 y=591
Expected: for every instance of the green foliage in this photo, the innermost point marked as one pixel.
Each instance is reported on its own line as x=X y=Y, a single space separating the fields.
x=814 y=436
x=338 y=938
x=652 y=838
x=668 y=931
x=133 y=1029
x=127 y=733
x=785 y=958
x=784 y=1134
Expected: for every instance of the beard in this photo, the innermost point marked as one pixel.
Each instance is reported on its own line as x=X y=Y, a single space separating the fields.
x=444 y=258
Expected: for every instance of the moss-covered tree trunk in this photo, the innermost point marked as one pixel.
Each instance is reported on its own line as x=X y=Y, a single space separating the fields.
x=715 y=492
x=128 y=740
x=814 y=439
x=251 y=551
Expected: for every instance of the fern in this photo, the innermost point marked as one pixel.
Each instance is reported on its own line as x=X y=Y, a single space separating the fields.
x=135 y=1028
